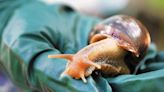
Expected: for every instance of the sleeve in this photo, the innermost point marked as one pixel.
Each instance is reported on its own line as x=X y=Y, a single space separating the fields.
x=36 y=30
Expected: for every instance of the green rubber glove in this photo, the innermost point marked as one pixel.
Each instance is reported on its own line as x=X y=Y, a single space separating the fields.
x=149 y=75
x=31 y=30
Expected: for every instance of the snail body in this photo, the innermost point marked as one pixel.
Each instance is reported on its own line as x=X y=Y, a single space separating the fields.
x=110 y=42
x=94 y=57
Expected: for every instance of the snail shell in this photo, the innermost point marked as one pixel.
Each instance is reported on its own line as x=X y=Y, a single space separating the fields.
x=131 y=34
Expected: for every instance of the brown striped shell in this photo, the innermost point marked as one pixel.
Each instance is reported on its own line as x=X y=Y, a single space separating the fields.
x=132 y=35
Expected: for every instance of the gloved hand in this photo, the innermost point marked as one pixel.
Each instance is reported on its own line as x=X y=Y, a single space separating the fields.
x=149 y=76
x=35 y=30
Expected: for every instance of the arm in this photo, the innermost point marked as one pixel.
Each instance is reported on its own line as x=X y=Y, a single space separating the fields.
x=35 y=32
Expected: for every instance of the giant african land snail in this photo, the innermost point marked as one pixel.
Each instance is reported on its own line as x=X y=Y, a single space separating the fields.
x=110 y=42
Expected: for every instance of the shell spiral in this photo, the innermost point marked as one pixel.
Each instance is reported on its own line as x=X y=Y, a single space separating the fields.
x=135 y=32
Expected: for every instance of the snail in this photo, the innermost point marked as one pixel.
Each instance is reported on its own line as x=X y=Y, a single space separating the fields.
x=111 y=42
